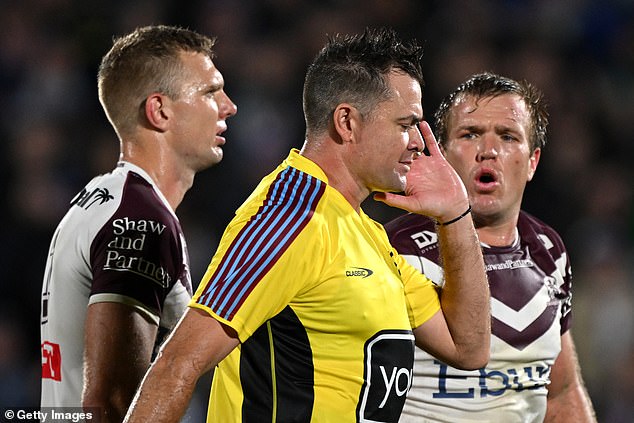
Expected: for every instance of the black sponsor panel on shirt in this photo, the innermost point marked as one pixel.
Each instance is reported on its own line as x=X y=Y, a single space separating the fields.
x=388 y=363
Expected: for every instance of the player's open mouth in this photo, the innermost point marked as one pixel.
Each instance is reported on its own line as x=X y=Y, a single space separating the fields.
x=486 y=179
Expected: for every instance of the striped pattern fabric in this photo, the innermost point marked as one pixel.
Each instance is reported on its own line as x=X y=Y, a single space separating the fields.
x=287 y=209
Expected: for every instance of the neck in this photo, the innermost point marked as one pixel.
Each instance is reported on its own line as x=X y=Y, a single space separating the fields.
x=172 y=181
x=497 y=235
x=333 y=163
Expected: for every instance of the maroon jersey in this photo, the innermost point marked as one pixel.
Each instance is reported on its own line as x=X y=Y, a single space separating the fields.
x=119 y=242
x=530 y=283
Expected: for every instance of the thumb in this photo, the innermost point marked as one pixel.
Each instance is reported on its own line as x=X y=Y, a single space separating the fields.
x=393 y=200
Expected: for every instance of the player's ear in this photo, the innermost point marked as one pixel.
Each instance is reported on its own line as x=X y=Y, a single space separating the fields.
x=157 y=111
x=346 y=120
x=533 y=161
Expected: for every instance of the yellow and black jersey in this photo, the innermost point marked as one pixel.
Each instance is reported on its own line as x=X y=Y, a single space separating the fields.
x=321 y=302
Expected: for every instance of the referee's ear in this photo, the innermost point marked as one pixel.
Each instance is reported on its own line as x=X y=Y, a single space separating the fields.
x=346 y=121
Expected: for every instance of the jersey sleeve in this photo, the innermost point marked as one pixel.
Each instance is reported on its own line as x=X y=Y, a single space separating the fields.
x=565 y=269
x=420 y=293
x=551 y=241
x=137 y=257
x=263 y=260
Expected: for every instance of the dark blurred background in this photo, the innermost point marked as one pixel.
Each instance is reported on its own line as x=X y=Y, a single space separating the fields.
x=54 y=137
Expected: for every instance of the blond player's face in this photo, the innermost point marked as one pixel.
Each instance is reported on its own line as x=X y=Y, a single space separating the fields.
x=201 y=112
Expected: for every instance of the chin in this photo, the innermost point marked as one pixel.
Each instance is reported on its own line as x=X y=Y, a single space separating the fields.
x=216 y=155
x=209 y=161
x=489 y=213
x=399 y=185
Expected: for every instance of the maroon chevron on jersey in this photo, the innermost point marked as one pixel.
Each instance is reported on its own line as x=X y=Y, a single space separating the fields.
x=530 y=284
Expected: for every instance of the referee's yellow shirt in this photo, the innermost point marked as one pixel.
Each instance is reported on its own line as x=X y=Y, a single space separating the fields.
x=322 y=304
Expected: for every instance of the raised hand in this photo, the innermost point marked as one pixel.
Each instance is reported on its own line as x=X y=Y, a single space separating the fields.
x=433 y=187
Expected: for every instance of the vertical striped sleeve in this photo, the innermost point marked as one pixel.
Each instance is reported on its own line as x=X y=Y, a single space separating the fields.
x=288 y=207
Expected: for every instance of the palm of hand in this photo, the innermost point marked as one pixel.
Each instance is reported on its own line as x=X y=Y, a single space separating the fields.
x=433 y=188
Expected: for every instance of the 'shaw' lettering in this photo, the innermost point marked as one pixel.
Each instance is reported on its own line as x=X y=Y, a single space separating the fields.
x=141 y=225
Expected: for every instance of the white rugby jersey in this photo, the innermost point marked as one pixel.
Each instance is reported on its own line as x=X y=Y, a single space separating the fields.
x=530 y=283
x=120 y=241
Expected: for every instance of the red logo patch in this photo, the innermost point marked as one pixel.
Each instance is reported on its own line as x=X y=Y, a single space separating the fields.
x=51 y=361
